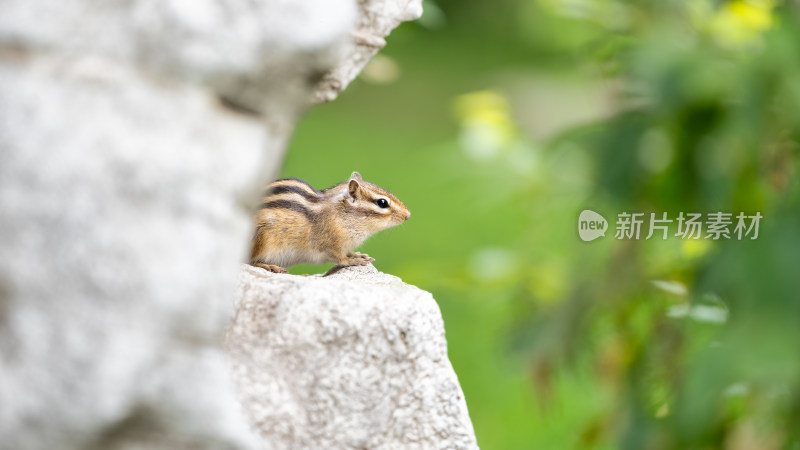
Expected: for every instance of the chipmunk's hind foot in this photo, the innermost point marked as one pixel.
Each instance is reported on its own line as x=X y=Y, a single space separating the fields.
x=270 y=267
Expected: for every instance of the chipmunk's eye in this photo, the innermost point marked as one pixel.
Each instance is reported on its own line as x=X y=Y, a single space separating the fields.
x=382 y=203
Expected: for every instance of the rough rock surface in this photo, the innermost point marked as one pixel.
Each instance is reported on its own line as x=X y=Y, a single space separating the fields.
x=134 y=137
x=120 y=234
x=354 y=360
x=376 y=18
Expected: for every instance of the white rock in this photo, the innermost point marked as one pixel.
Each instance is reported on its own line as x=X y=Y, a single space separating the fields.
x=376 y=19
x=259 y=53
x=121 y=229
x=357 y=359
x=135 y=137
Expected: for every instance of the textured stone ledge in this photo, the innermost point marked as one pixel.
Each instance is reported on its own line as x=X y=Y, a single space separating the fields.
x=357 y=359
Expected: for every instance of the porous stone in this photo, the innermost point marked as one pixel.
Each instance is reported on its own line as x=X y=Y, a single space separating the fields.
x=134 y=138
x=353 y=360
x=376 y=19
x=118 y=244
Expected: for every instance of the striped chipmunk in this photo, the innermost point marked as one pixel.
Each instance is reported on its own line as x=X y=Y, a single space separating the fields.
x=299 y=224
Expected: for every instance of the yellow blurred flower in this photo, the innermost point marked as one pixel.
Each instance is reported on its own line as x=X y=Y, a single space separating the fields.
x=695 y=248
x=486 y=123
x=753 y=15
x=740 y=23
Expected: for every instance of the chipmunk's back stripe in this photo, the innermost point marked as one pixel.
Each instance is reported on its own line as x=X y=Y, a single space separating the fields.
x=282 y=189
x=288 y=204
x=290 y=181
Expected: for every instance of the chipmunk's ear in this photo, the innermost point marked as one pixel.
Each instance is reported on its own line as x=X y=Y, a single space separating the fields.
x=353 y=190
x=356 y=176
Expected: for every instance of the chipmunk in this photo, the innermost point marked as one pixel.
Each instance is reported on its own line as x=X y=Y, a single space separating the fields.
x=299 y=224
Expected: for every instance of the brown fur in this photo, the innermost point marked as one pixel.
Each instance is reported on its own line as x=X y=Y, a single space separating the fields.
x=298 y=223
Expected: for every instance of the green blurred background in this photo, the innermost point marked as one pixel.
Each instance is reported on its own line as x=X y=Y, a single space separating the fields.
x=497 y=122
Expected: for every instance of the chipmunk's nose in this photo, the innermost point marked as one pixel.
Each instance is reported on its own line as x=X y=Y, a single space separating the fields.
x=408 y=214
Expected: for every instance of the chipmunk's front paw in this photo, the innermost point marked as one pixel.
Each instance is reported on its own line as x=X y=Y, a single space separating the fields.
x=270 y=268
x=358 y=259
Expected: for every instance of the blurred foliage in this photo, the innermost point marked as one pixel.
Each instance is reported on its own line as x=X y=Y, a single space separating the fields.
x=498 y=122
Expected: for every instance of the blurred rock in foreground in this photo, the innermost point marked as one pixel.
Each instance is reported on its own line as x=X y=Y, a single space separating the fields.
x=134 y=139
x=357 y=359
